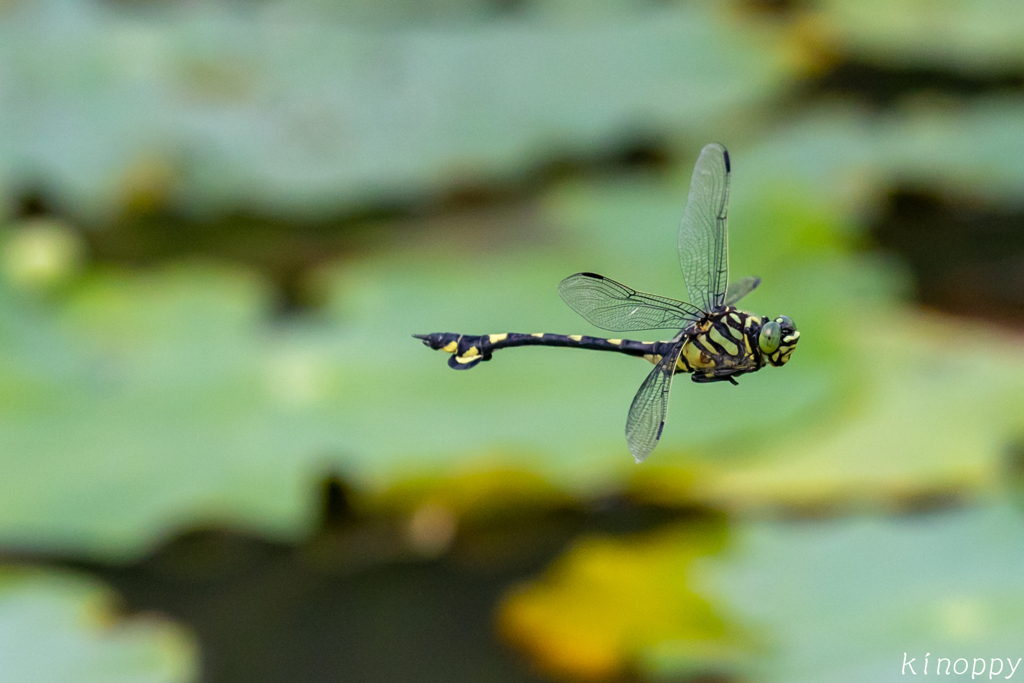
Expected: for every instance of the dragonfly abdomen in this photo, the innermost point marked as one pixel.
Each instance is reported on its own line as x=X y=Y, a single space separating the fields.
x=469 y=350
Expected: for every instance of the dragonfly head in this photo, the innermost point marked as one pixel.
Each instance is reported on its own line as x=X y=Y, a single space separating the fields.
x=777 y=340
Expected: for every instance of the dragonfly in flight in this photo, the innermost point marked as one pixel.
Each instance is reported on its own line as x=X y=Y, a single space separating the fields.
x=715 y=341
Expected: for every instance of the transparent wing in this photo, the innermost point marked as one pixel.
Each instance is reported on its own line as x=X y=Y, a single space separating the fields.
x=738 y=290
x=704 y=231
x=650 y=405
x=611 y=305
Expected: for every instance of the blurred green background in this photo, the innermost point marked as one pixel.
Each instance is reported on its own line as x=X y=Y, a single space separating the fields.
x=223 y=458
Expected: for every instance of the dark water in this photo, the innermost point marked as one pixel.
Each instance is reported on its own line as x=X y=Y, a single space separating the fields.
x=966 y=258
x=354 y=603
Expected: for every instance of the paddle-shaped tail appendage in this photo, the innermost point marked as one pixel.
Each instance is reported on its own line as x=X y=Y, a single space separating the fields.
x=467 y=352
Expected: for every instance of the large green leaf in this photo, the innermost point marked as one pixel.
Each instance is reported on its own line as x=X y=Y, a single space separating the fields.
x=218 y=109
x=843 y=600
x=961 y=35
x=607 y=602
x=880 y=401
x=849 y=158
x=834 y=600
x=138 y=403
x=57 y=627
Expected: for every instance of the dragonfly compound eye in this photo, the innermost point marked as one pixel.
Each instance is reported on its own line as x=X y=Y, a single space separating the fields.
x=771 y=335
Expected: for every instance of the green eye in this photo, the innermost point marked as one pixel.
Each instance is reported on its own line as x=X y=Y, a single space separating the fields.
x=771 y=335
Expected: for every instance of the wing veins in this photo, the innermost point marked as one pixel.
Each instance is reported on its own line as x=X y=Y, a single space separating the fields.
x=649 y=409
x=739 y=289
x=703 y=231
x=612 y=305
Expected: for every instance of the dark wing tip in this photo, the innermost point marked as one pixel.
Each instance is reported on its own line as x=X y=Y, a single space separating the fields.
x=593 y=275
x=725 y=153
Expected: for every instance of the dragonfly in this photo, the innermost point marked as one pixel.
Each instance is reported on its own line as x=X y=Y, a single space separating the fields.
x=714 y=341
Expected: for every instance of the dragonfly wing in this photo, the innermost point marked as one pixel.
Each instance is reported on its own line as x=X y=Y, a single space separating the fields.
x=611 y=305
x=738 y=290
x=704 y=231
x=650 y=405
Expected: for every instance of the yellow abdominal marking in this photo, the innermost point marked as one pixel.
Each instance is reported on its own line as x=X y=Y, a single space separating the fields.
x=472 y=353
x=498 y=337
x=537 y=334
x=697 y=358
x=451 y=347
x=464 y=359
x=575 y=337
x=652 y=358
x=615 y=341
x=730 y=347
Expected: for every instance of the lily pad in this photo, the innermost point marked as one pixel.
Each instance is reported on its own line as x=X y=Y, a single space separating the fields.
x=958 y=34
x=139 y=403
x=213 y=108
x=845 y=599
x=63 y=628
x=839 y=600
x=606 y=601
x=849 y=158
x=880 y=403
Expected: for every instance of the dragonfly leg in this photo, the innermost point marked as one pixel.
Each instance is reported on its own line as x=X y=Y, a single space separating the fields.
x=707 y=379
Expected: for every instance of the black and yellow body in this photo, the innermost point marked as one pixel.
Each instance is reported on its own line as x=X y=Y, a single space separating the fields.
x=726 y=345
x=468 y=350
x=719 y=348
x=714 y=341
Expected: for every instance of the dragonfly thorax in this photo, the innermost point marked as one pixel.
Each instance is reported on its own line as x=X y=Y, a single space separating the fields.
x=721 y=345
x=730 y=342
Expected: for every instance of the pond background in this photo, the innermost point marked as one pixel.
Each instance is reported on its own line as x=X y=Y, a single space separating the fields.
x=224 y=458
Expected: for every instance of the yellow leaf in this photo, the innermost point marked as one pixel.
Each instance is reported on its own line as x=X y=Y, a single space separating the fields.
x=608 y=601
